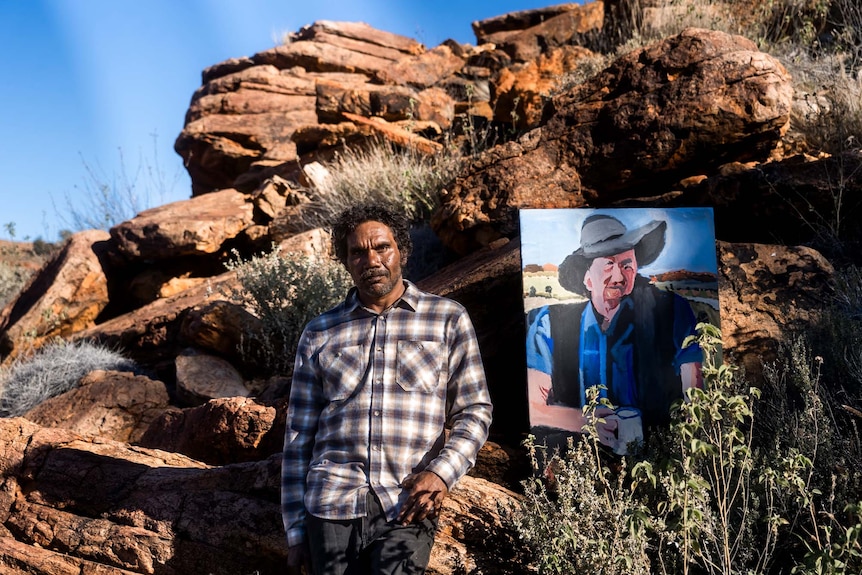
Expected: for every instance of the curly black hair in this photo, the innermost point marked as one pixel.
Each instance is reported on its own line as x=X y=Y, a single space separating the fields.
x=351 y=218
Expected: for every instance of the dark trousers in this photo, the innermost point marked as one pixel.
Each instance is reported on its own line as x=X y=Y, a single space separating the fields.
x=370 y=544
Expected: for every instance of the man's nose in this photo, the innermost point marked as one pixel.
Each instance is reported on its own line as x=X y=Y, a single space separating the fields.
x=373 y=259
x=617 y=274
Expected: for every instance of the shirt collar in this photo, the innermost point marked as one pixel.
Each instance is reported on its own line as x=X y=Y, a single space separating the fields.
x=409 y=299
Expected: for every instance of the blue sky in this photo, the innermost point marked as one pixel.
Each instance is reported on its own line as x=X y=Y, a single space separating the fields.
x=105 y=84
x=548 y=236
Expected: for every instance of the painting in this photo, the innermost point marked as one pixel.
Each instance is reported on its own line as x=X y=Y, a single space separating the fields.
x=610 y=297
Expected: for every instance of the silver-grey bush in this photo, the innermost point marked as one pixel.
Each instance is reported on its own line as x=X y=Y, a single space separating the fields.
x=53 y=369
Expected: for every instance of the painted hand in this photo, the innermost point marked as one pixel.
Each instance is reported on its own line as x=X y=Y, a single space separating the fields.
x=607 y=424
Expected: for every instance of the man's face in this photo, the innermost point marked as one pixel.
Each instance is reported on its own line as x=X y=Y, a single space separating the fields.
x=374 y=262
x=609 y=279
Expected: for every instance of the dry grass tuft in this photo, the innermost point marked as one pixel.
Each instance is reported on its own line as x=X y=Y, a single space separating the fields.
x=407 y=181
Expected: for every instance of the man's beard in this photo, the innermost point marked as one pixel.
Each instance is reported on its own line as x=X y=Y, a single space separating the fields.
x=378 y=288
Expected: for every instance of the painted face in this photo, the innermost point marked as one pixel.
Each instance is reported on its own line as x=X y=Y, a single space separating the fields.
x=609 y=279
x=374 y=262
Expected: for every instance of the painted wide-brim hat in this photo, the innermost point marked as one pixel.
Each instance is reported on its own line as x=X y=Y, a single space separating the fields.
x=603 y=236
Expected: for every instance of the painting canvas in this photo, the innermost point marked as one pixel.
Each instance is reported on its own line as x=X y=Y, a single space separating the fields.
x=610 y=296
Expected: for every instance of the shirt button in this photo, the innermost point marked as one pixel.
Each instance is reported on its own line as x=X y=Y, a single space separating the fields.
x=376 y=413
x=375 y=448
x=379 y=349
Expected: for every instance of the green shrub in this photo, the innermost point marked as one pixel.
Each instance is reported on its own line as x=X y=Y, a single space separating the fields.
x=54 y=369
x=285 y=293
x=836 y=549
x=702 y=497
x=579 y=516
x=43 y=248
x=813 y=405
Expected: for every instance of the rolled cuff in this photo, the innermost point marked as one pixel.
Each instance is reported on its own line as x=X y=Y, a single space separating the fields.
x=295 y=536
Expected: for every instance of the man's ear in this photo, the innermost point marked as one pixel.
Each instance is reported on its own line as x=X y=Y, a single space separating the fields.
x=588 y=282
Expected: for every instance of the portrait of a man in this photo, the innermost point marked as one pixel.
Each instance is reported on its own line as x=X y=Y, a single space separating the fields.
x=612 y=315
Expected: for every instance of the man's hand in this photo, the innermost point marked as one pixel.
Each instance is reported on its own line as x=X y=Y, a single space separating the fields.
x=427 y=492
x=297 y=558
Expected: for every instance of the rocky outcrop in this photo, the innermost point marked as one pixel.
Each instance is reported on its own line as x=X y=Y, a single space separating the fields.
x=245 y=113
x=143 y=511
x=106 y=507
x=155 y=334
x=179 y=473
x=259 y=116
x=677 y=108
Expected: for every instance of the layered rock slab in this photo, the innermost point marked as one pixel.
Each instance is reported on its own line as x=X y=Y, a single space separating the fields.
x=119 y=509
x=112 y=405
x=65 y=296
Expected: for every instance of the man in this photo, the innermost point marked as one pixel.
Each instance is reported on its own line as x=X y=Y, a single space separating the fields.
x=626 y=340
x=367 y=462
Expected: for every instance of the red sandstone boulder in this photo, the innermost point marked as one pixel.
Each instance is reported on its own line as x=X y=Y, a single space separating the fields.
x=526 y=35
x=107 y=404
x=221 y=431
x=224 y=328
x=64 y=297
x=521 y=92
x=197 y=226
x=201 y=377
x=766 y=293
x=244 y=115
x=676 y=108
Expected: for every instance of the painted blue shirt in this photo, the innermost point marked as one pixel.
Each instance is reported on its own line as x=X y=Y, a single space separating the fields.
x=607 y=358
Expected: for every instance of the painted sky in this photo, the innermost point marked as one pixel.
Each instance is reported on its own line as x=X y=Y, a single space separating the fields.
x=104 y=85
x=548 y=236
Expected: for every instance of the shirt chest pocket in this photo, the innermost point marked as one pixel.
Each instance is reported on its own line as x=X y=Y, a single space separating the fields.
x=420 y=365
x=342 y=370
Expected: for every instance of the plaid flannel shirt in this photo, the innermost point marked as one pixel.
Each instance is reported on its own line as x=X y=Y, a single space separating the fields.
x=370 y=398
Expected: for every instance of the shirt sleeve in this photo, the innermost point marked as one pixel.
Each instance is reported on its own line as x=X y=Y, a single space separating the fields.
x=305 y=404
x=468 y=405
x=684 y=325
x=540 y=345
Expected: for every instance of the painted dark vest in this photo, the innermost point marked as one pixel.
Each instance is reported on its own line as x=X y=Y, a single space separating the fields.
x=658 y=384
